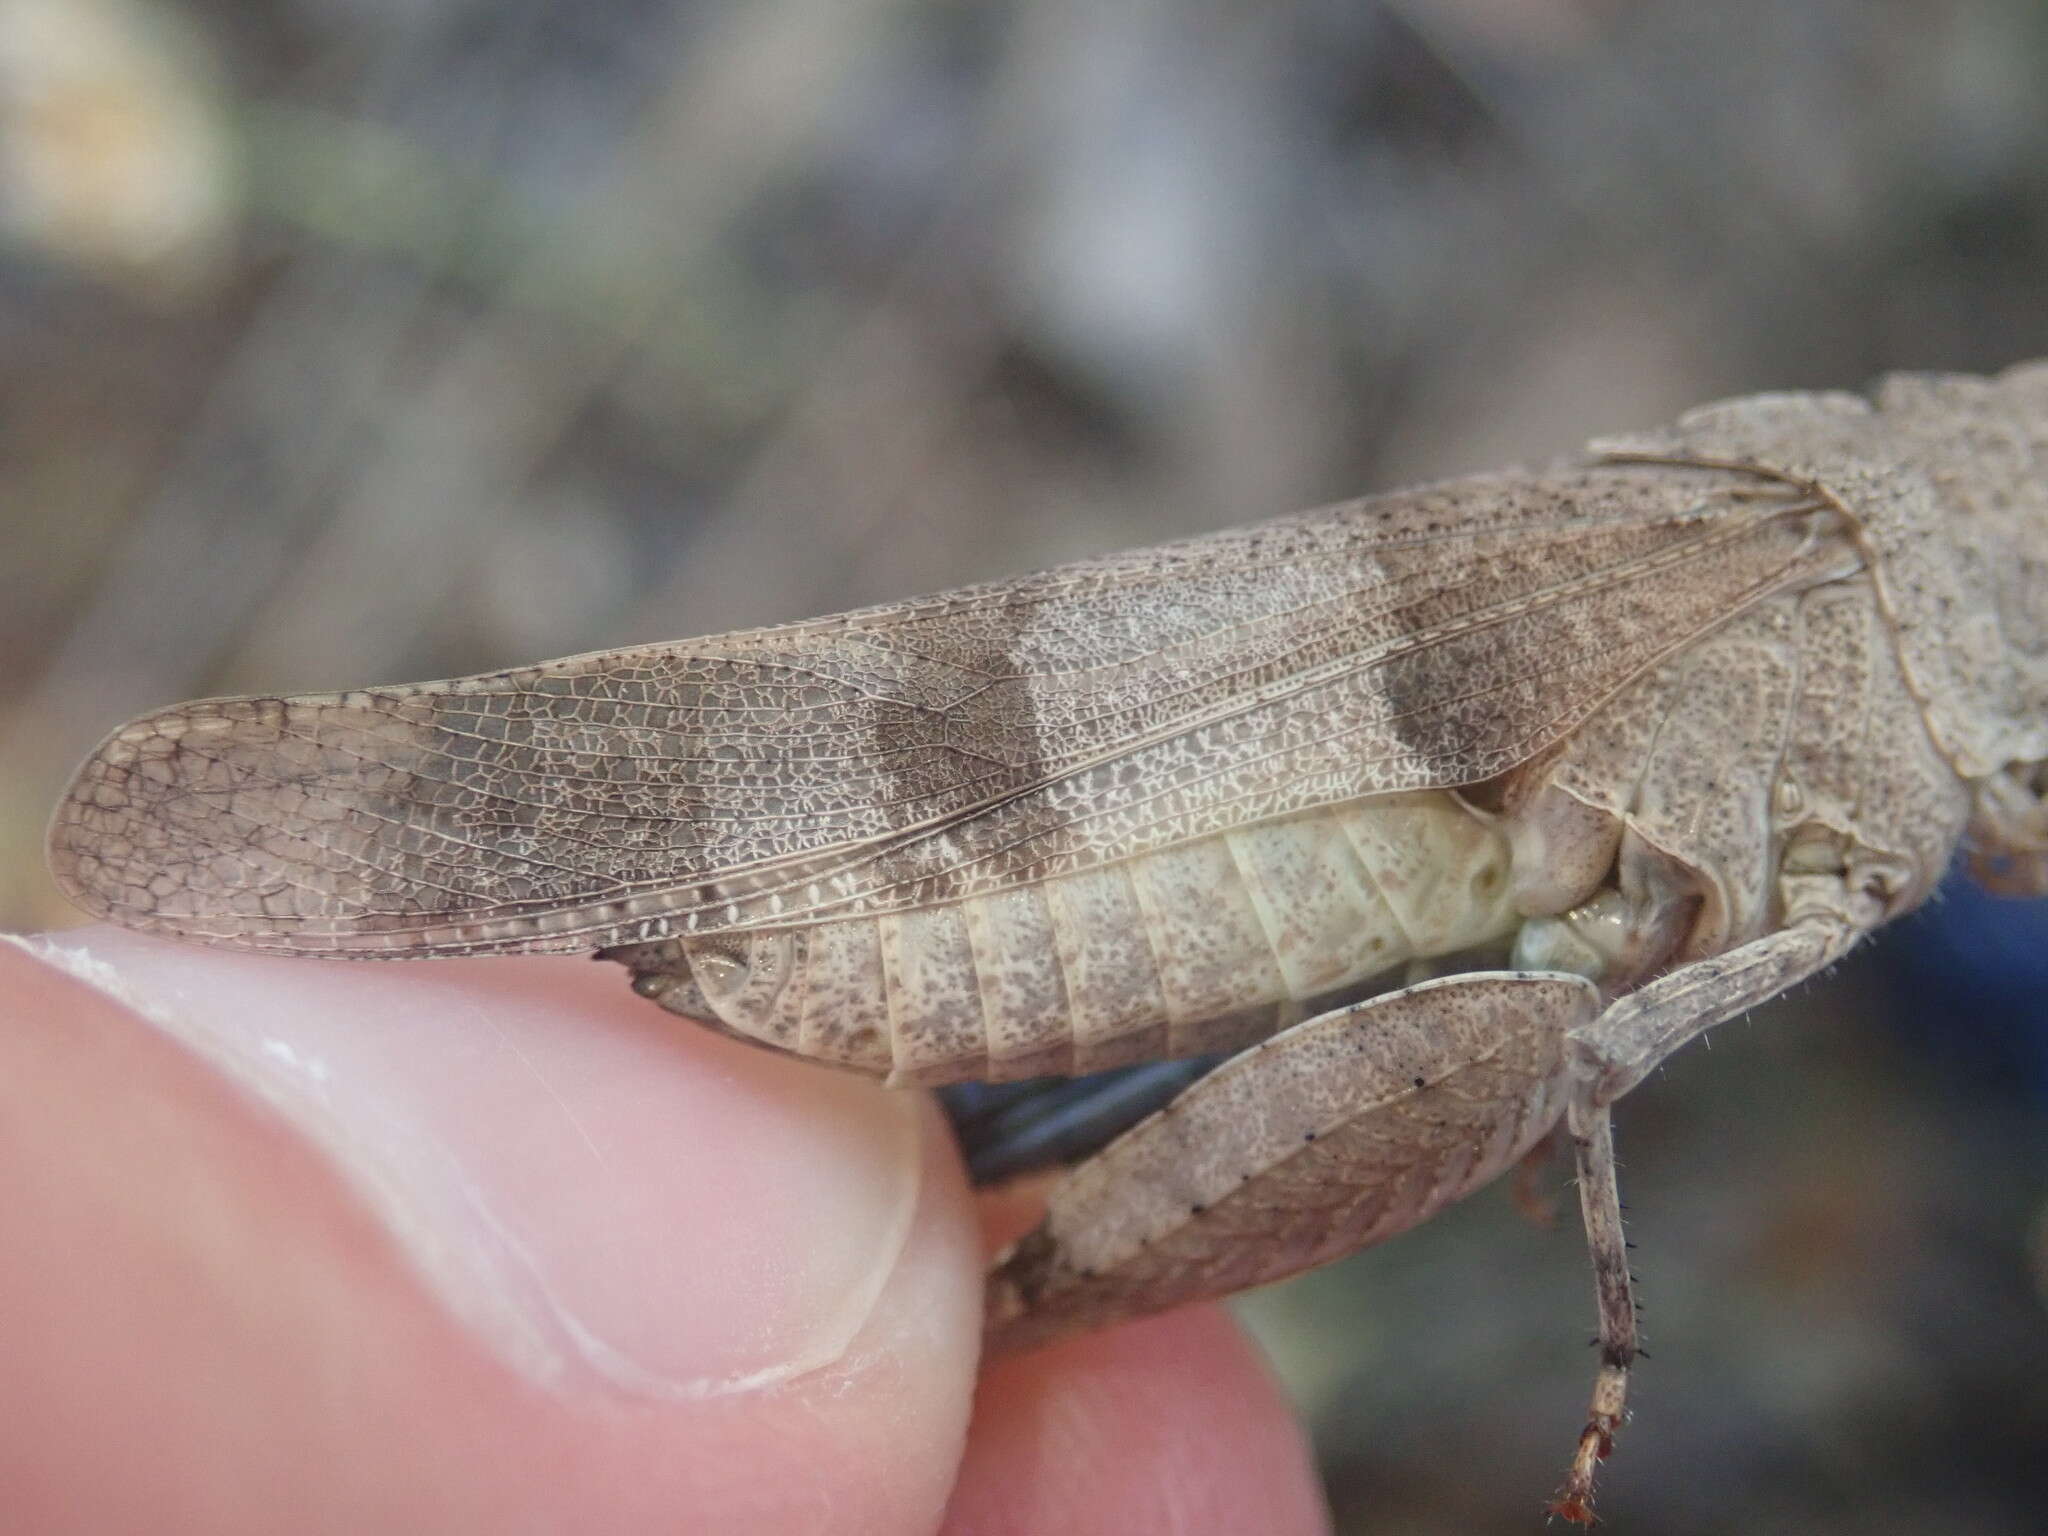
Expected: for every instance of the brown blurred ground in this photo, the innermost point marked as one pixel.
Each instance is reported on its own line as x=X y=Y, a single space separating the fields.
x=346 y=341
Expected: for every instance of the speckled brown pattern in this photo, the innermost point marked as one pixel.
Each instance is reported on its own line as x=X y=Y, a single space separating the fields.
x=1678 y=722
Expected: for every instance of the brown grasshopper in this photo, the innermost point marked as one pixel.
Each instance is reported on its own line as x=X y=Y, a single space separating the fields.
x=1628 y=744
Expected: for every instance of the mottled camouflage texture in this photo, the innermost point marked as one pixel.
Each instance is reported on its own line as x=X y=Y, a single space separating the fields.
x=1662 y=729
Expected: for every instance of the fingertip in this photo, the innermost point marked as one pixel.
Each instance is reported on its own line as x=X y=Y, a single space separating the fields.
x=1172 y=1425
x=672 y=1272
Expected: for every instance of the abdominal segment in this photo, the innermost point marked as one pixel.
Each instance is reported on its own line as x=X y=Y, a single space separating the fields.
x=1205 y=947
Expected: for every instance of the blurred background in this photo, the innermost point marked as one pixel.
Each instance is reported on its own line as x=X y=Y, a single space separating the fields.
x=351 y=341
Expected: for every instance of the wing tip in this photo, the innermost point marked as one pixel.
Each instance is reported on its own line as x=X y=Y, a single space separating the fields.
x=117 y=846
x=239 y=822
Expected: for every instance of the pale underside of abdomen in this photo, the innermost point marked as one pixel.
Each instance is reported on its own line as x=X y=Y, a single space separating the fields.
x=1204 y=947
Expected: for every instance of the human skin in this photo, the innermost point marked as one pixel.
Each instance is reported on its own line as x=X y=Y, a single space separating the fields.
x=495 y=1246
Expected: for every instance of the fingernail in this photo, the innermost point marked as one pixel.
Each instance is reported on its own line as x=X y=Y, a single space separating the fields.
x=603 y=1193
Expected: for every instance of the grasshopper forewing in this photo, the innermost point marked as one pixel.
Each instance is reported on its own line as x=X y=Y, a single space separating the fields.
x=1624 y=745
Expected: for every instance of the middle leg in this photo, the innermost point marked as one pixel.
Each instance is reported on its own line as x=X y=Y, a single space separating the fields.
x=1609 y=1056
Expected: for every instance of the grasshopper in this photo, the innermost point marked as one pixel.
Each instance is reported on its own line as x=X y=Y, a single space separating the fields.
x=1614 y=749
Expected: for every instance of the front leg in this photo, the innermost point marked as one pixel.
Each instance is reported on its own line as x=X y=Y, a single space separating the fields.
x=1609 y=1056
